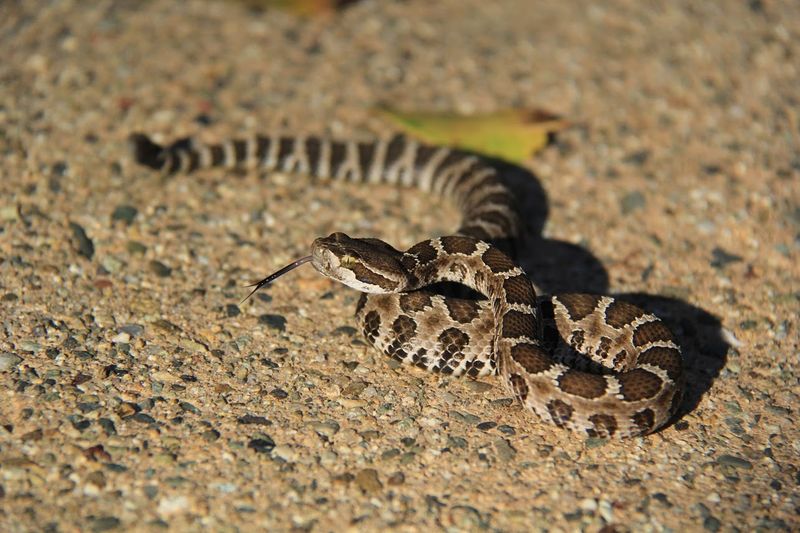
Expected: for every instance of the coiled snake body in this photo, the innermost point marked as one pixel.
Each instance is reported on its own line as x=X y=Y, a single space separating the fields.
x=589 y=363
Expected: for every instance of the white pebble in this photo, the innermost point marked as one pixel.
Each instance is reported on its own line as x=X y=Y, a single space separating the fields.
x=588 y=505
x=168 y=506
x=121 y=337
x=9 y=361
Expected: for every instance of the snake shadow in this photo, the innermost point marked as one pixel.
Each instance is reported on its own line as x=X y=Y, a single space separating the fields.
x=557 y=267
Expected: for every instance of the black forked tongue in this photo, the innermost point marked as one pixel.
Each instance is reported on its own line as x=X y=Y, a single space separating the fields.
x=272 y=277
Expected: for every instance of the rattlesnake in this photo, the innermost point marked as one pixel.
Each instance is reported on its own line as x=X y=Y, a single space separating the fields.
x=589 y=363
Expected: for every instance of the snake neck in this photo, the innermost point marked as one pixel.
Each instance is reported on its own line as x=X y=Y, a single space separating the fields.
x=485 y=269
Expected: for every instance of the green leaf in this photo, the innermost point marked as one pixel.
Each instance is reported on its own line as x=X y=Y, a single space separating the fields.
x=513 y=135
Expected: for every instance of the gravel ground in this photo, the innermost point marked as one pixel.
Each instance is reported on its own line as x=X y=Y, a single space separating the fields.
x=135 y=391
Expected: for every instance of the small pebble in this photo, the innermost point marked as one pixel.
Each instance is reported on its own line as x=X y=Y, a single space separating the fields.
x=136 y=248
x=30 y=346
x=80 y=378
x=144 y=418
x=33 y=436
x=286 y=453
x=96 y=478
x=108 y=426
x=369 y=435
x=173 y=505
x=262 y=445
x=367 y=480
x=390 y=454
x=734 y=461
x=466 y=418
x=478 y=386
x=186 y=406
x=269 y=363
x=588 y=505
x=504 y=450
x=124 y=213
x=254 y=420
x=104 y=523
x=60 y=169
x=662 y=499
x=637 y=158
x=134 y=330
x=80 y=423
x=210 y=435
x=83 y=243
x=711 y=523
x=398 y=478
x=160 y=269
x=327 y=429
x=328 y=458
x=343 y=479
x=226 y=488
x=121 y=337
x=276 y=322
x=345 y=330
x=9 y=213
x=279 y=393
x=595 y=442
x=354 y=389
x=203 y=119
x=456 y=442
x=606 y=511
x=631 y=202
x=407 y=458
x=9 y=361
x=503 y=402
x=466 y=518
x=88 y=407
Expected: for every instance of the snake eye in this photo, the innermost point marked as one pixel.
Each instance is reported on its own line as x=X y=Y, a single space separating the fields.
x=347 y=261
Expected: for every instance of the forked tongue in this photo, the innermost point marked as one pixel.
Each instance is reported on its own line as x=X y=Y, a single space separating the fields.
x=272 y=277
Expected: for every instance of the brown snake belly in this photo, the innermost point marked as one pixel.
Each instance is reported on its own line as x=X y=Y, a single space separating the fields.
x=589 y=363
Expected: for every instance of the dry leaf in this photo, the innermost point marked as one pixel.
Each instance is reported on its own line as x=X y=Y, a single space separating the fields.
x=511 y=134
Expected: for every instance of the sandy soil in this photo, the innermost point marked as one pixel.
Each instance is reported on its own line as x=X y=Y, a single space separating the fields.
x=137 y=394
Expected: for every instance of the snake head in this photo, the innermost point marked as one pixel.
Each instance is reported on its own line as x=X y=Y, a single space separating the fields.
x=367 y=265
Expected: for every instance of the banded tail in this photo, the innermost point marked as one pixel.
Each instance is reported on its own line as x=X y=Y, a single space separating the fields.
x=486 y=203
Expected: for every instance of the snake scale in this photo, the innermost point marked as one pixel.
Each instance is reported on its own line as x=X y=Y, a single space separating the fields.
x=589 y=363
